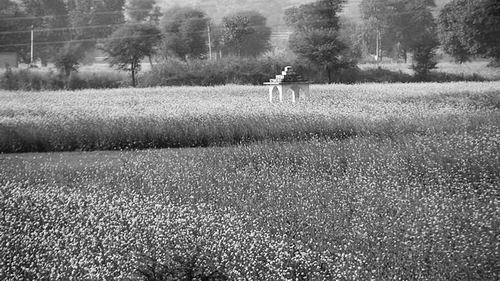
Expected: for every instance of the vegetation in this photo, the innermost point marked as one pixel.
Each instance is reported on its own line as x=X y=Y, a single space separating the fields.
x=356 y=182
x=401 y=27
x=412 y=197
x=185 y=33
x=93 y=20
x=13 y=32
x=142 y=11
x=398 y=27
x=34 y=80
x=245 y=34
x=129 y=44
x=69 y=58
x=316 y=37
x=471 y=28
x=197 y=116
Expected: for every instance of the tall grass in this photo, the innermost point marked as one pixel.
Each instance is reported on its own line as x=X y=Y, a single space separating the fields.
x=197 y=116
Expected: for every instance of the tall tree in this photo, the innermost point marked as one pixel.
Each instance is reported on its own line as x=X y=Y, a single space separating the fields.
x=245 y=34
x=95 y=19
x=450 y=30
x=50 y=18
x=375 y=14
x=316 y=33
x=411 y=22
x=140 y=10
x=471 y=28
x=14 y=29
x=129 y=44
x=185 y=32
x=398 y=24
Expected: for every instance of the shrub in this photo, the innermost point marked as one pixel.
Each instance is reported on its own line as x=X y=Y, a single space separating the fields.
x=36 y=80
x=94 y=81
x=230 y=70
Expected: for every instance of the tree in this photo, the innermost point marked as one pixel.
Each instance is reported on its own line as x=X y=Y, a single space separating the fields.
x=140 y=10
x=185 y=32
x=69 y=57
x=411 y=22
x=94 y=19
x=129 y=44
x=350 y=35
x=398 y=24
x=450 y=23
x=14 y=29
x=424 y=53
x=245 y=34
x=315 y=36
x=484 y=26
x=50 y=17
x=375 y=14
x=471 y=28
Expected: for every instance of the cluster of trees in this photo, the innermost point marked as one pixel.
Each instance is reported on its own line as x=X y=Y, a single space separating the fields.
x=463 y=28
x=471 y=28
x=128 y=31
x=131 y=30
x=56 y=22
x=399 y=27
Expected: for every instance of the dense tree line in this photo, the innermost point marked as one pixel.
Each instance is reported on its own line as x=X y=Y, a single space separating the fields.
x=471 y=28
x=131 y=30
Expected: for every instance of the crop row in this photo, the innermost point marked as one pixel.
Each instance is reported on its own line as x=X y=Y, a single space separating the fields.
x=196 y=116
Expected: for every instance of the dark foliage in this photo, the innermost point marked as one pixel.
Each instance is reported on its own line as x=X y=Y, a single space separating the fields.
x=245 y=34
x=180 y=267
x=26 y=80
x=471 y=28
x=14 y=33
x=316 y=33
x=69 y=57
x=184 y=33
x=128 y=45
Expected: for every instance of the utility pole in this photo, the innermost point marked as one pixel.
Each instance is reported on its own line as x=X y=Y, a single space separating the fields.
x=31 y=52
x=378 y=51
x=209 y=42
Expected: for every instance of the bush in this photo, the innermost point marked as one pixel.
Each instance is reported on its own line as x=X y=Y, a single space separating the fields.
x=37 y=80
x=28 y=80
x=229 y=70
x=94 y=81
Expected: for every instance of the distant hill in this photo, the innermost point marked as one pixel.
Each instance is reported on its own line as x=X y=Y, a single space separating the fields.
x=272 y=9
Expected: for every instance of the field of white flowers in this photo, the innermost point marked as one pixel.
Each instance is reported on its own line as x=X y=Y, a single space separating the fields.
x=197 y=116
x=363 y=182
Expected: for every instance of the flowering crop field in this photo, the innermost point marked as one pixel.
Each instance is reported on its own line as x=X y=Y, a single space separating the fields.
x=196 y=116
x=362 y=182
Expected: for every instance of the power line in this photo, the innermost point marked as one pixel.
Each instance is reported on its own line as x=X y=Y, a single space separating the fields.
x=78 y=41
x=103 y=39
x=68 y=28
x=69 y=14
x=115 y=25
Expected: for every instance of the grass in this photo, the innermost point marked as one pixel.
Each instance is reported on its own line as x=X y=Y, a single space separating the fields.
x=197 y=116
x=361 y=182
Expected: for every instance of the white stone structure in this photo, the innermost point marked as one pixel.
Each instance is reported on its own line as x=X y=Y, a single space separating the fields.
x=288 y=81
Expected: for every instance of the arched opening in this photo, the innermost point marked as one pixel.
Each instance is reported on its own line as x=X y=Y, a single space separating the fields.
x=272 y=91
x=295 y=93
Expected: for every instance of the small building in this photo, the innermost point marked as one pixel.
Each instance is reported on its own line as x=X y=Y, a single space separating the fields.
x=288 y=81
x=8 y=59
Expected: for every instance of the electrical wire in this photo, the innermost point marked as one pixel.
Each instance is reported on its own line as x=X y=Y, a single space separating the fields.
x=69 y=14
